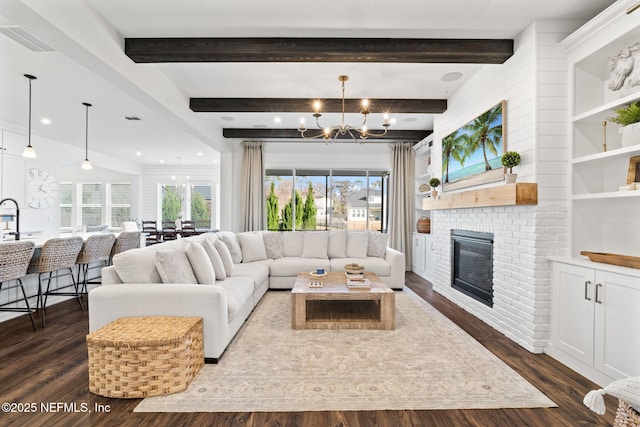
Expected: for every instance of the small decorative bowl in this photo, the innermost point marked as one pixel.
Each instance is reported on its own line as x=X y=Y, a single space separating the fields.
x=314 y=275
x=354 y=268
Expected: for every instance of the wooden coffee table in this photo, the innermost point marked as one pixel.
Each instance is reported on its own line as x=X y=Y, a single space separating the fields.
x=335 y=306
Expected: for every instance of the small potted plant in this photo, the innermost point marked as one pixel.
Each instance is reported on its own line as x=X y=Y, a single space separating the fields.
x=509 y=160
x=628 y=117
x=434 y=183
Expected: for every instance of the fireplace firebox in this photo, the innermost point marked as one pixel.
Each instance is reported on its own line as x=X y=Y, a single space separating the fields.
x=472 y=264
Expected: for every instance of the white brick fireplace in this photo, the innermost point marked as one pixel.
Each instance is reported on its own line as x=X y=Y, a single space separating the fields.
x=523 y=237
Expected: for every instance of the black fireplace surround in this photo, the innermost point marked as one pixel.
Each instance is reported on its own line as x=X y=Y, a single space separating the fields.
x=472 y=264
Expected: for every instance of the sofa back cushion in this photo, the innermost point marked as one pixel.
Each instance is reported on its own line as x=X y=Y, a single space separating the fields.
x=357 y=242
x=232 y=243
x=200 y=263
x=337 y=244
x=272 y=244
x=377 y=244
x=252 y=245
x=315 y=244
x=227 y=261
x=214 y=257
x=292 y=242
x=174 y=267
x=137 y=266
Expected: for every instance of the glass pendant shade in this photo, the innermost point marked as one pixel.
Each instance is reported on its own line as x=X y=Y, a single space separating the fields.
x=29 y=152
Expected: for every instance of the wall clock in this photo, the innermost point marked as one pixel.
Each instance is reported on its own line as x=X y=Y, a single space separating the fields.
x=42 y=189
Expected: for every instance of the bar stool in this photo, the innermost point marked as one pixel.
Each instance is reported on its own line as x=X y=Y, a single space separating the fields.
x=97 y=248
x=56 y=254
x=124 y=242
x=150 y=228
x=14 y=262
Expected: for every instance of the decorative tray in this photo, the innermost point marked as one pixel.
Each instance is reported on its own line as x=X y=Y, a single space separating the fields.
x=613 y=259
x=314 y=275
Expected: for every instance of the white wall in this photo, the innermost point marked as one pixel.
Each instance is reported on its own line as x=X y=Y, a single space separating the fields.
x=533 y=82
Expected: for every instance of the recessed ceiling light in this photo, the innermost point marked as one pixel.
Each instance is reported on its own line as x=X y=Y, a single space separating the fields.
x=215 y=161
x=410 y=120
x=45 y=121
x=227 y=118
x=451 y=77
x=161 y=161
x=131 y=118
x=138 y=153
x=199 y=153
x=277 y=119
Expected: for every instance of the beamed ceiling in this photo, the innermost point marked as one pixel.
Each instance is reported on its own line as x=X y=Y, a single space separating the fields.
x=310 y=50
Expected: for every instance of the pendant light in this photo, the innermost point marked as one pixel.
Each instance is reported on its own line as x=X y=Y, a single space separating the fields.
x=29 y=152
x=86 y=164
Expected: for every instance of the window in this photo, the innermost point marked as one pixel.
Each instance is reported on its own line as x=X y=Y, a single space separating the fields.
x=201 y=205
x=91 y=203
x=326 y=199
x=119 y=204
x=65 y=192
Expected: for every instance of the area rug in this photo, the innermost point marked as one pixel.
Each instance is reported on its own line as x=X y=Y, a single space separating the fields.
x=427 y=362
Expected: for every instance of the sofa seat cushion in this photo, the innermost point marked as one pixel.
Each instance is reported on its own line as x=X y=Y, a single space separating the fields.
x=372 y=264
x=291 y=266
x=239 y=290
x=258 y=271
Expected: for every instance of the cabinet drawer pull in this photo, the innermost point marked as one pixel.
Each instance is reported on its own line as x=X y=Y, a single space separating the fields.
x=598 y=286
x=586 y=290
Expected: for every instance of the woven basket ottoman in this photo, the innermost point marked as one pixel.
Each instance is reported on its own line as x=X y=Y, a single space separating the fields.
x=626 y=416
x=135 y=357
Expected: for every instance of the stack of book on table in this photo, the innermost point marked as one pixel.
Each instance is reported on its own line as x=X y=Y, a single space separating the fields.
x=357 y=280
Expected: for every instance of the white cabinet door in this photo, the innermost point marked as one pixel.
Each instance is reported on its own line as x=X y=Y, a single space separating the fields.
x=572 y=311
x=13 y=143
x=429 y=250
x=418 y=256
x=617 y=328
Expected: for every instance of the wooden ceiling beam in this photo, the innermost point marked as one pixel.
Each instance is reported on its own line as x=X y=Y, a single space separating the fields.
x=304 y=105
x=279 y=49
x=294 y=134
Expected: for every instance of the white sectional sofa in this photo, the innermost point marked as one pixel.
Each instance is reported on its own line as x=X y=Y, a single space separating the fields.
x=188 y=277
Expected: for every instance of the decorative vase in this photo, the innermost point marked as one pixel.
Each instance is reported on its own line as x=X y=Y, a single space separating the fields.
x=630 y=135
x=424 y=225
x=510 y=178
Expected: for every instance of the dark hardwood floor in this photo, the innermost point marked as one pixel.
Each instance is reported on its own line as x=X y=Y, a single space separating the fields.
x=49 y=368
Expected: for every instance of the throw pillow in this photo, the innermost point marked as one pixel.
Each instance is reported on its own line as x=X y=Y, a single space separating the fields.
x=377 y=244
x=315 y=244
x=337 y=244
x=252 y=245
x=200 y=263
x=174 y=267
x=137 y=266
x=292 y=243
x=230 y=239
x=627 y=389
x=357 y=242
x=216 y=261
x=223 y=251
x=272 y=244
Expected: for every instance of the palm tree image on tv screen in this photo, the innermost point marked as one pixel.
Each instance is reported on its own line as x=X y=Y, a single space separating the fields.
x=472 y=154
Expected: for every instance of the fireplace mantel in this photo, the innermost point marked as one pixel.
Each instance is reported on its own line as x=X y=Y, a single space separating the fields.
x=522 y=193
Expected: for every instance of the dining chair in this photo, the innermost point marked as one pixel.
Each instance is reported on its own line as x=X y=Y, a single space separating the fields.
x=188 y=228
x=169 y=231
x=150 y=229
x=56 y=255
x=14 y=263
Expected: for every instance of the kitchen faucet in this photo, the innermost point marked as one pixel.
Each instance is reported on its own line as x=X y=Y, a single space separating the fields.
x=17 y=232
